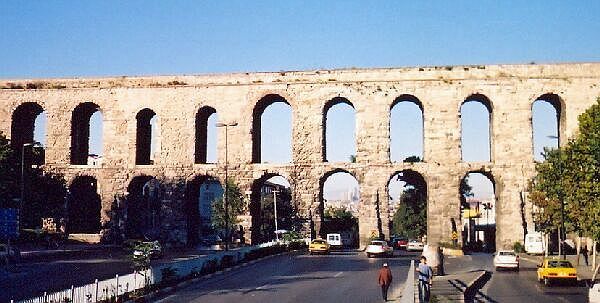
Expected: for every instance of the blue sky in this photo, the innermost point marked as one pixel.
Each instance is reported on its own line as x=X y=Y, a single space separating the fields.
x=41 y=39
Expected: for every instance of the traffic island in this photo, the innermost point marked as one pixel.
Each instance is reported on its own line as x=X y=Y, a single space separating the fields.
x=462 y=287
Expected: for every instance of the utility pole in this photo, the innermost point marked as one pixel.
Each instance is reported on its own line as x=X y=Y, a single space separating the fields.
x=275 y=192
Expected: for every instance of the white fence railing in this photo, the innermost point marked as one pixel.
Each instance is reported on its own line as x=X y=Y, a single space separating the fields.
x=119 y=285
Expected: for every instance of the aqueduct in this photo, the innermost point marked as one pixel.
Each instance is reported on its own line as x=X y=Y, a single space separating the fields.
x=180 y=106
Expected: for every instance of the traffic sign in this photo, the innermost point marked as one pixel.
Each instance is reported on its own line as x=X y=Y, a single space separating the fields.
x=454 y=235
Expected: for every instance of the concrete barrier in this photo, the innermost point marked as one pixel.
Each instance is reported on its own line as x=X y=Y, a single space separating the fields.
x=408 y=294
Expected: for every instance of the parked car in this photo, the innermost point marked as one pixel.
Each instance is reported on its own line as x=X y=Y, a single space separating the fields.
x=153 y=248
x=506 y=259
x=534 y=243
x=399 y=242
x=334 y=240
x=378 y=248
x=414 y=245
x=9 y=255
x=552 y=270
x=318 y=246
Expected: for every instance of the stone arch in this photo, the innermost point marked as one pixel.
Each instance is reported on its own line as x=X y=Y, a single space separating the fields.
x=559 y=106
x=418 y=182
x=257 y=112
x=23 y=123
x=144 y=137
x=80 y=131
x=485 y=101
x=321 y=200
x=413 y=100
x=255 y=208
x=326 y=107
x=195 y=206
x=142 y=213
x=83 y=205
x=201 y=131
x=490 y=231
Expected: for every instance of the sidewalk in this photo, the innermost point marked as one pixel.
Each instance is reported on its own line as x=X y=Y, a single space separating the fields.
x=584 y=273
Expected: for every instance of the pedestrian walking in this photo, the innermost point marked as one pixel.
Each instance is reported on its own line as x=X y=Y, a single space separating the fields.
x=384 y=280
x=584 y=252
x=425 y=276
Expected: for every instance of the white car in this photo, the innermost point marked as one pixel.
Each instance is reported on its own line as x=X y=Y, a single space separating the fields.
x=414 y=245
x=377 y=248
x=506 y=259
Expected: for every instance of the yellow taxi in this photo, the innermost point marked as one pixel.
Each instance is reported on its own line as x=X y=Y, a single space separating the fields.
x=556 y=270
x=318 y=246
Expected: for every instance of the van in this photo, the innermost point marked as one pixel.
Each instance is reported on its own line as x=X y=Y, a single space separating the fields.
x=334 y=240
x=534 y=243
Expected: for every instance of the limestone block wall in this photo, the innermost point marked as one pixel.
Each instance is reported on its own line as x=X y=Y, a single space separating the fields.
x=510 y=89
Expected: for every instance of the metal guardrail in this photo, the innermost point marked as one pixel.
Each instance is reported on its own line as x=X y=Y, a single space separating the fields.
x=408 y=294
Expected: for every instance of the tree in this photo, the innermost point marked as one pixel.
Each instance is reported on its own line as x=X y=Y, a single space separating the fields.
x=413 y=159
x=410 y=219
x=338 y=219
x=571 y=175
x=235 y=207
x=8 y=174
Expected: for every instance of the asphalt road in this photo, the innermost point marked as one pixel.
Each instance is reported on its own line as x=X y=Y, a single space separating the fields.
x=347 y=276
x=32 y=278
x=517 y=286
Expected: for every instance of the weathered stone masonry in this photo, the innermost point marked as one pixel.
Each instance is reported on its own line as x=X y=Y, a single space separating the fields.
x=510 y=89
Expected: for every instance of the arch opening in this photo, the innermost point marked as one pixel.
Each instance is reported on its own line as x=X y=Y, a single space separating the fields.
x=86 y=134
x=272 y=208
x=147 y=137
x=201 y=194
x=28 y=125
x=339 y=131
x=476 y=129
x=83 y=206
x=271 y=130
x=339 y=206
x=478 y=209
x=407 y=208
x=142 y=211
x=406 y=129
x=546 y=113
x=206 y=136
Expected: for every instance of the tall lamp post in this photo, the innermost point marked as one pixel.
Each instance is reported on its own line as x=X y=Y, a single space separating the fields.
x=32 y=144
x=225 y=203
x=562 y=202
x=275 y=192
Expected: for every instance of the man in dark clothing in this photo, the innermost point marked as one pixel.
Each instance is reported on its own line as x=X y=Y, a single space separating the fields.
x=384 y=280
x=584 y=252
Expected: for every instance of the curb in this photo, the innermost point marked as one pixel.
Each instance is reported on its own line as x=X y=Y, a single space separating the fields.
x=173 y=288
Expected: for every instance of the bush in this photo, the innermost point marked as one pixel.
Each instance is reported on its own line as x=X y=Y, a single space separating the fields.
x=226 y=261
x=297 y=245
x=518 y=247
x=209 y=267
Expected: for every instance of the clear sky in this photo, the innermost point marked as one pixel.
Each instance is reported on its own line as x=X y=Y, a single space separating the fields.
x=95 y=38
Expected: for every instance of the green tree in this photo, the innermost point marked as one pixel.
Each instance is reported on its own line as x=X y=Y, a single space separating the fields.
x=338 y=219
x=571 y=174
x=8 y=174
x=235 y=207
x=410 y=219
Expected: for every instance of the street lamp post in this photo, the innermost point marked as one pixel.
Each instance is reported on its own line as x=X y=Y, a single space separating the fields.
x=32 y=144
x=275 y=192
x=225 y=202
x=561 y=197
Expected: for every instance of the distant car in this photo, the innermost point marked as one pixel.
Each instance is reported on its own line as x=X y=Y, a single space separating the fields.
x=318 y=246
x=9 y=255
x=506 y=259
x=334 y=240
x=378 y=248
x=556 y=270
x=152 y=248
x=414 y=245
x=534 y=243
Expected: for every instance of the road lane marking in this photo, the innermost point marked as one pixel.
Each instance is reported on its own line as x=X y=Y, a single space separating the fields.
x=338 y=274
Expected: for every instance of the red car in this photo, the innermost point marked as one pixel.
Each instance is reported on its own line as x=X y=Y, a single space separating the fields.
x=400 y=243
